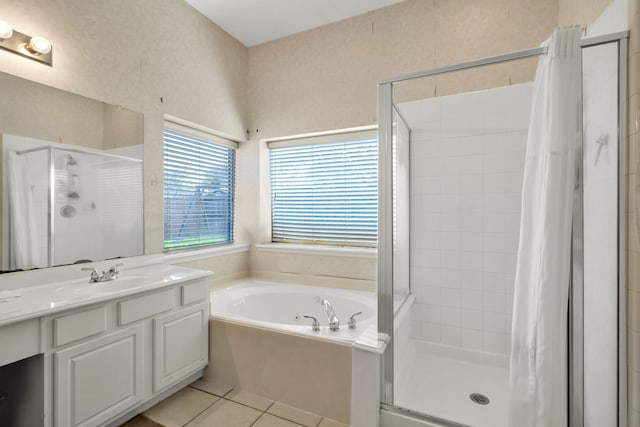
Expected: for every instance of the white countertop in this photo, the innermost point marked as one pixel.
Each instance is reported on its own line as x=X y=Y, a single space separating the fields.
x=55 y=292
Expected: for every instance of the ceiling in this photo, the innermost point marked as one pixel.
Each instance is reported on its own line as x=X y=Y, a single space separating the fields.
x=258 y=21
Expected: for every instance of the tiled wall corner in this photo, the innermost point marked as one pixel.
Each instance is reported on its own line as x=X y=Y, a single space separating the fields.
x=337 y=271
x=225 y=267
x=467 y=164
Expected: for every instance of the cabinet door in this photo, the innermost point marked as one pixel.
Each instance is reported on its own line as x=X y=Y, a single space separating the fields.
x=99 y=379
x=180 y=344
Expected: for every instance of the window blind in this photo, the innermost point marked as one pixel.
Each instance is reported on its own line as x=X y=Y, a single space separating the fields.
x=199 y=180
x=325 y=193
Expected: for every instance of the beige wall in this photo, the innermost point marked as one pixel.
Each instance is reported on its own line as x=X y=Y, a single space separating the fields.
x=68 y=118
x=580 y=12
x=42 y=112
x=326 y=78
x=121 y=128
x=150 y=56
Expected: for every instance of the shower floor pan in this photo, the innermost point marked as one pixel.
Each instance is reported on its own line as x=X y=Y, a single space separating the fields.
x=440 y=381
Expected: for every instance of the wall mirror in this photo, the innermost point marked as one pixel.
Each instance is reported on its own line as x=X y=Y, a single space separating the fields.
x=72 y=178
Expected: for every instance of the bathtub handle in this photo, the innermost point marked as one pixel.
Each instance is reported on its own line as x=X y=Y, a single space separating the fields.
x=352 y=320
x=315 y=326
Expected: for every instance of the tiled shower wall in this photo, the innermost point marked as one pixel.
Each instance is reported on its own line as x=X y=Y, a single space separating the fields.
x=467 y=162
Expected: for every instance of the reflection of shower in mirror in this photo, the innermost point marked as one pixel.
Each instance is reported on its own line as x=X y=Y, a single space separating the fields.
x=72 y=178
x=68 y=211
x=54 y=195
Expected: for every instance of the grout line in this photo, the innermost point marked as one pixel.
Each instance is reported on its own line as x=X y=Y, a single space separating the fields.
x=199 y=413
x=262 y=412
x=286 y=419
x=227 y=393
x=212 y=394
x=274 y=415
x=243 y=404
x=256 y=420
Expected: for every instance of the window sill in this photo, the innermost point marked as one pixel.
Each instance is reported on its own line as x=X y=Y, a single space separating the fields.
x=318 y=249
x=195 y=254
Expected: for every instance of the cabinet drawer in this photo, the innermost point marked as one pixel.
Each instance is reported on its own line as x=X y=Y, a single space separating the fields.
x=145 y=306
x=194 y=292
x=80 y=325
x=19 y=340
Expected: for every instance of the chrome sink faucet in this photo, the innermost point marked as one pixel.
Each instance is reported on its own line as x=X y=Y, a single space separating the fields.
x=105 y=276
x=334 y=323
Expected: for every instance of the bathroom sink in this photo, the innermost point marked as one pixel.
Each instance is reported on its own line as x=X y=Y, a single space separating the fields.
x=119 y=284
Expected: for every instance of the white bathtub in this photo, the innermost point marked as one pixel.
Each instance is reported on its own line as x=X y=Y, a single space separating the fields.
x=281 y=307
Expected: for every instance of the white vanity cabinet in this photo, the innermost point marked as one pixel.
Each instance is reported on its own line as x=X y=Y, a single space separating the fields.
x=108 y=359
x=19 y=340
x=180 y=344
x=100 y=378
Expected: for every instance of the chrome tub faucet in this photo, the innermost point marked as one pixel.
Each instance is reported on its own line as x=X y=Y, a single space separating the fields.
x=334 y=323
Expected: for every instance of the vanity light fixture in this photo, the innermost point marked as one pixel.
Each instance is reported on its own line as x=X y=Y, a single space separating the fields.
x=37 y=48
x=6 y=31
x=39 y=45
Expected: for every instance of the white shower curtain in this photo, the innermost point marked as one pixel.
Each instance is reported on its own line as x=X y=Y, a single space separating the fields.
x=25 y=244
x=538 y=375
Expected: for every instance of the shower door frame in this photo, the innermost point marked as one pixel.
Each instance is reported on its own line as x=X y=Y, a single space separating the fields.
x=576 y=321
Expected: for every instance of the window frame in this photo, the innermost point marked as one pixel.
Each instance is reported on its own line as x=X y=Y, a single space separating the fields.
x=200 y=133
x=336 y=136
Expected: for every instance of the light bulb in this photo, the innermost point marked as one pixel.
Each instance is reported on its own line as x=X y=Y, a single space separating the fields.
x=5 y=31
x=39 y=45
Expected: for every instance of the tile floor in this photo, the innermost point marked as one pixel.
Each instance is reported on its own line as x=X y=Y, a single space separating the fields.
x=204 y=403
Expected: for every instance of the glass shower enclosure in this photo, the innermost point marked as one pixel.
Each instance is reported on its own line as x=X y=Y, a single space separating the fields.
x=450 y=186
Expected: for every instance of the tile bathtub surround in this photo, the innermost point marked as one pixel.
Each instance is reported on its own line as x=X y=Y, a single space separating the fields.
x=467 y=163
x=191 y=407
x=278 y=365
x=339 y=270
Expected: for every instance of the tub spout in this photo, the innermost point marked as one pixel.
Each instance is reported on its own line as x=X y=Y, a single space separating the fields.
x=334 y=323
